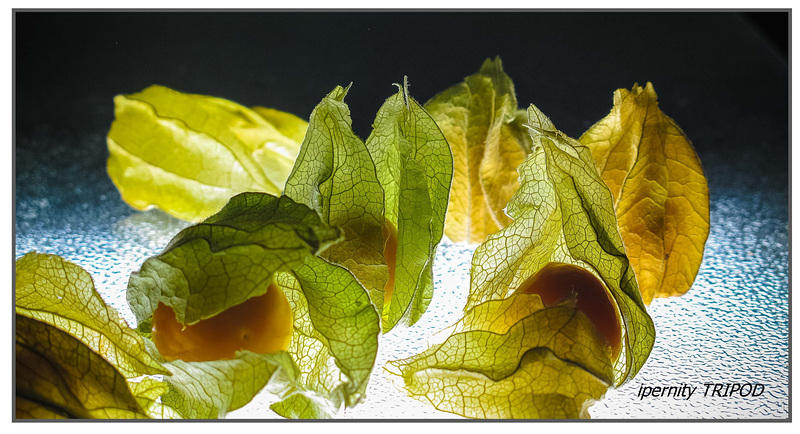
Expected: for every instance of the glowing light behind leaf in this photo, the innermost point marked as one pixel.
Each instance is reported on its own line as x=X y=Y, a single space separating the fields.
x=660 y=193
x=188 y=154
x=415 y=167
x=480 y=119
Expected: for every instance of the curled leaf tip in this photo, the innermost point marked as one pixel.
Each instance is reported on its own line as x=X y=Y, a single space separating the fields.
x=406 y=94
x=403 y=89
x=339 y=93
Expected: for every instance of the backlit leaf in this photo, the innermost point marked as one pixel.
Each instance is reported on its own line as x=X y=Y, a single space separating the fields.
x=255 y=240
x=335 y=341
x=58 y=375
x=563 y=212
x=188 y=154
x=512 y=356
x=302 y=406
x=415 y=168
x=62 y=294
x=401 y=175
x=288 y=124
x=660 y=193
x=229 y=258
x=72 y=326
x=335 y=176
x=209 y=390
x=480 y=119
x=27 y=409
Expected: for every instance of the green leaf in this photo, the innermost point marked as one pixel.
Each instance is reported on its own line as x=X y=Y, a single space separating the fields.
x=334 y=321
x=563 y=212
x=302 y=406
x=415 y=168
x=512 y=358
x=334 y=175
x=480 y=119
x=229 y=258
x=188 y=154
x=148 y=391
x=62 y=294
x=59 y=299
x=288 y=124
x=258 y=239
x=209 y=390
x=57 y=375
x=399 y=179
x=27 y=409
x=516 y=354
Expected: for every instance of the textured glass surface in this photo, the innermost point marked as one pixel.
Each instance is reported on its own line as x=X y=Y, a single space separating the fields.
x=732 y=327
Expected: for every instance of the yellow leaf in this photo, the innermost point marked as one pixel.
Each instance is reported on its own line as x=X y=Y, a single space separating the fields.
x=287 y=124
x=189 y=154
x=660 y=192
x=512 y=359
x=481 y=122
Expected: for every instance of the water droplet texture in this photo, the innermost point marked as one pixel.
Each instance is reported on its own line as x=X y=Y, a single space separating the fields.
x=732 y=326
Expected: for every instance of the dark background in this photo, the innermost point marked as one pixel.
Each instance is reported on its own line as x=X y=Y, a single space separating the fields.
x=722 y=76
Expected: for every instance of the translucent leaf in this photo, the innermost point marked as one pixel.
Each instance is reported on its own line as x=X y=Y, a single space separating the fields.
x=660 y=192
x=301 y=406
x=60 y=297
x=188 y=154
x=399 y=179
x=233 y=256
x=229 y=258
x=56 y=297
x=563 y=213
x=149 y=391
x=288 y=124
x=519 y=352
x=335 y=176
x=209 y=390
x=26 y=409
x=415 y=169
x=480 y=119
x=334 y=322
x=57 y=375
x=62 y=294
x=512 y=358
